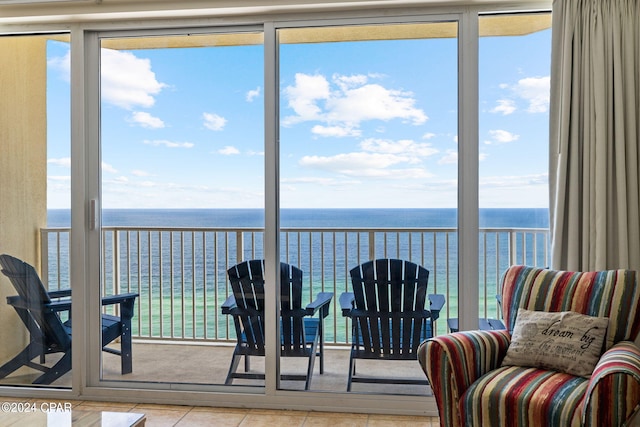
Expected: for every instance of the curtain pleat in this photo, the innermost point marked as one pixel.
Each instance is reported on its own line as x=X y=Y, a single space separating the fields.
x=594 y=135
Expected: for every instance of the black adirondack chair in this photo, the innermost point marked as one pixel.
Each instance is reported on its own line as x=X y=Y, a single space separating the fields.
x=388 y=314
x=40 y=311
x=301 y=333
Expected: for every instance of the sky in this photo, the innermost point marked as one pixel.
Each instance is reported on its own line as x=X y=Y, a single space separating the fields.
x=362 y=124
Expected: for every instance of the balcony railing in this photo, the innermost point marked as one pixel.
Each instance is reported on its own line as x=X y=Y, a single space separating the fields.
x=180 y=273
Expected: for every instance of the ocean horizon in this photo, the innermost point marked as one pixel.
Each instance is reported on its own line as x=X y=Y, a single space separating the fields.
x=332 y=217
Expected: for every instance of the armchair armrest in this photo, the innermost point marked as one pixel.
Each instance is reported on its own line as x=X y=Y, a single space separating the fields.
x=615 y=383
x=453 y=362
x=322 y=302
x=346 y=303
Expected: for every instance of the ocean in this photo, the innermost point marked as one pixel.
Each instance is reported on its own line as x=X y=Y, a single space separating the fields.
x=388 y=218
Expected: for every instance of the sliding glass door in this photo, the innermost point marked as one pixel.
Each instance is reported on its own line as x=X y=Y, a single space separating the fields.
x=182 y=178
x=368 y=125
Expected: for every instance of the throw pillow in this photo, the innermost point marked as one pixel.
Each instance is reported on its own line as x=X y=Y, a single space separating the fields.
x=564 y=341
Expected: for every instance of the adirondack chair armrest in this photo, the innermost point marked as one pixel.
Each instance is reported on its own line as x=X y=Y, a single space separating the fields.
x=229 y=305
x=322 y=302
x=346 y=303
x=436 y=303
x=60 y=294
x=18 y=302
x=119 y=299
x=126 y=302
x=57 y=306
x=60 y=305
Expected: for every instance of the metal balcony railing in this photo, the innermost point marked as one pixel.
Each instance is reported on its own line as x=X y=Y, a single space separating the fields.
x=180 y=273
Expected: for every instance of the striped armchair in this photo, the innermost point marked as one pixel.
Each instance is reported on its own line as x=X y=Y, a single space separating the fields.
x=472 y=389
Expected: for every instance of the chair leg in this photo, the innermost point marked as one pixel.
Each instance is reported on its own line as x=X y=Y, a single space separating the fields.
x=56 y=371
x=21 y=359
x=235 y=361
x=126 y=348
x=312 y=360
x=321 y=353
x=352 y=370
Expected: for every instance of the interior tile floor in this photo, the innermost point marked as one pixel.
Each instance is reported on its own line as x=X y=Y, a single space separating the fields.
x=209 y=364
x=190 y=416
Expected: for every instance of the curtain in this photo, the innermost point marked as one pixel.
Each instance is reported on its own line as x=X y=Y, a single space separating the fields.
x=595 y=135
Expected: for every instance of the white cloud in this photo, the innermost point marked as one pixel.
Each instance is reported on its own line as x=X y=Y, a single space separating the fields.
x=318 y=181
x=62 y=64
x=515 y=181
x=505 y=107
x=106 y=167
x=405 y=147
x=347 y=82
x=168 y=144
x=128 y=81
x=303 y=96
x=140 y=173
x=213 y=121
x=428 y=135
x=229 y=151
x=500 y=136
x=449 y=158
x=372 y=165
x=351 y=163
x=378 y=158
x=352 y=101
x=374 y=102
x=253 y=94
x=64 y=162
x=335 y=131
x=146 y=120
x=536 y=91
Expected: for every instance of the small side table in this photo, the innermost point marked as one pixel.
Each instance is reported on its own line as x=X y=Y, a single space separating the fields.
x=485 y=324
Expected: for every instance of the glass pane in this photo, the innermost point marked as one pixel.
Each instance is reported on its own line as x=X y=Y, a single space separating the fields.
x=182 y=195
x=35 y=172
x=515 y=54
x=368 y=154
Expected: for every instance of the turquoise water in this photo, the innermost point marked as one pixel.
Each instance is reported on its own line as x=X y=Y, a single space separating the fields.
x=181 y=277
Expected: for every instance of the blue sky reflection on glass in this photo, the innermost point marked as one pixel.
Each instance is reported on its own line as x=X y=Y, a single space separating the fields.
x=363 y=124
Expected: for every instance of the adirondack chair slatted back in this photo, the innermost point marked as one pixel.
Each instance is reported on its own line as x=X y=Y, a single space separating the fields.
x=389 y=315
x=292 y=314
x=247 y=283
x=32 y=304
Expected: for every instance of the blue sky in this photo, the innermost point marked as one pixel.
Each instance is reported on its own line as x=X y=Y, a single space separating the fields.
x=363 y=124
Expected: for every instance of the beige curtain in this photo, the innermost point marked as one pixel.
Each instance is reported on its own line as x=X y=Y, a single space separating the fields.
x=595 y=135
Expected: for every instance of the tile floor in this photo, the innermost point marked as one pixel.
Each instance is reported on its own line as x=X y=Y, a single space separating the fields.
x=188 y=416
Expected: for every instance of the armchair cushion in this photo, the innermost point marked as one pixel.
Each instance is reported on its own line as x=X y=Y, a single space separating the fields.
x=519 y=396
x=564 y=341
